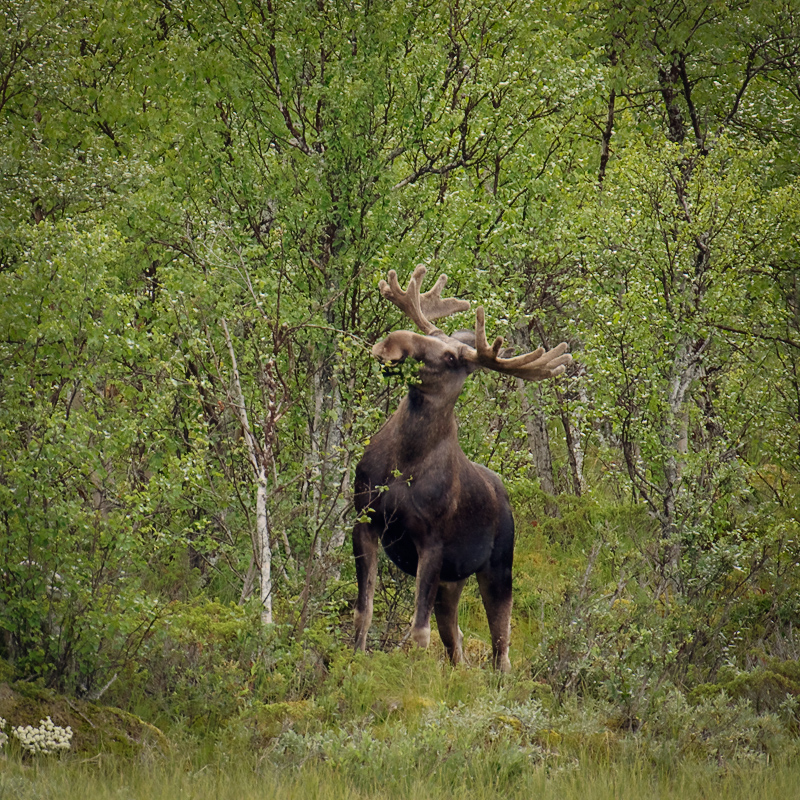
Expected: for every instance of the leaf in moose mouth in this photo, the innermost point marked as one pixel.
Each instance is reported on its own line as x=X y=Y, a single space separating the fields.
x=407 y=370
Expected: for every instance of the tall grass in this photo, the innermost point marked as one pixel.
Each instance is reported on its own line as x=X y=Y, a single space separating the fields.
x=242 y=779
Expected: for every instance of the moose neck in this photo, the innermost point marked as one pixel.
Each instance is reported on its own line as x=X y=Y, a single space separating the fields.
x=424 y=420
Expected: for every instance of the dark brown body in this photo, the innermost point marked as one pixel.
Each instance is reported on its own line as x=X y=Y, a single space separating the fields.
x=439 y=516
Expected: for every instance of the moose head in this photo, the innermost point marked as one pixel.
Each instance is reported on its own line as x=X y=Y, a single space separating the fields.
x=439 y=516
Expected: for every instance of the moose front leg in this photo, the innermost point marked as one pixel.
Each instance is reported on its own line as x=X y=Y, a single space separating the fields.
x=429 y=568
x=365 y=550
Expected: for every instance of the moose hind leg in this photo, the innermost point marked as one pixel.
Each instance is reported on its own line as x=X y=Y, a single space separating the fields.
x=446 y=609
x=496 y=595
x=365 y=550
x=495 y=585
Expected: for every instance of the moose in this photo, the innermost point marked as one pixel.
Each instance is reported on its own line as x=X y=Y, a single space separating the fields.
x=439 y=516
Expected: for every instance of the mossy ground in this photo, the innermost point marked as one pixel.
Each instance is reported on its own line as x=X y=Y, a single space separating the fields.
x=96 y=728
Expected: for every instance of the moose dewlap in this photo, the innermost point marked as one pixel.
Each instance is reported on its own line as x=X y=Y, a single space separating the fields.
x=438 y=515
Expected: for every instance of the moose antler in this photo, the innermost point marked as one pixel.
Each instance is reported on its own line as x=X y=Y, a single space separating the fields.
x=535 y=366
x=421 y=308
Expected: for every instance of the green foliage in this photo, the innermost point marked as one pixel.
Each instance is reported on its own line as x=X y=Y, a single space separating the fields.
x=772 y=686
x=201 y=664
x=196 y=205
x=714 y=728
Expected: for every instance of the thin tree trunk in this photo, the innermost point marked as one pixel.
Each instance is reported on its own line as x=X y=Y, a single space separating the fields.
x=539 y=444
x=265 y=554
x=341 y=457
x=261 y=548
x=327 y=464
x=572 y=433
x=605 y=145
x=313 y=459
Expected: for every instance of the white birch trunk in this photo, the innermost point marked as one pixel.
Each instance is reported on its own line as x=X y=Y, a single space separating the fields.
x=261 y=547
x=264 y=552
x=539 y=444
x=538 y=438
x=327 y=464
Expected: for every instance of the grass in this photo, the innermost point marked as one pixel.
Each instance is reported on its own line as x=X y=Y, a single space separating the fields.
x=400 y=725
x=243 y=778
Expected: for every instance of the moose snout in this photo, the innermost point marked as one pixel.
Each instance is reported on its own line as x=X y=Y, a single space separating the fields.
x=378 y=351
x=397 y=346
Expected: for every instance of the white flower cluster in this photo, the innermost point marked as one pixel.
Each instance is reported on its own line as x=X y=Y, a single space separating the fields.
x=47 y=738
x=3 y=734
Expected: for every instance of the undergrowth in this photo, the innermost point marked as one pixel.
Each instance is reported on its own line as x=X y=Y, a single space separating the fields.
x=614 y=684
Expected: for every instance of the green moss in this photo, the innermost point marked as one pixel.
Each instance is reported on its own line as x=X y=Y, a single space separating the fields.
x=272 y=719
x=789 y=669
x=95 y=728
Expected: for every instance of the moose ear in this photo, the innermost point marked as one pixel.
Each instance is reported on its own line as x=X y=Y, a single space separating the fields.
x=465 y=337
x=468 y=338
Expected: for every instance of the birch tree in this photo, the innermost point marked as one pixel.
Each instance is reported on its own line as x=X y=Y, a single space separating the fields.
x=262 y=555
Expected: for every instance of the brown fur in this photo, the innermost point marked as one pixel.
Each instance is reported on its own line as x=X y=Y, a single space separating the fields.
x=439 y=516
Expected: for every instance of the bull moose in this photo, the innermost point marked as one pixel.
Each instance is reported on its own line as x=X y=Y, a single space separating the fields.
x=439 y=516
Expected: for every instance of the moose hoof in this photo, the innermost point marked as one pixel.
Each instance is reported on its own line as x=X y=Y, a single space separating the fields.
x=422 y=636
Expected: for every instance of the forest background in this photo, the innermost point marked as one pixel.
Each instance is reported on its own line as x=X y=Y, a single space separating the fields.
x=198 y=201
